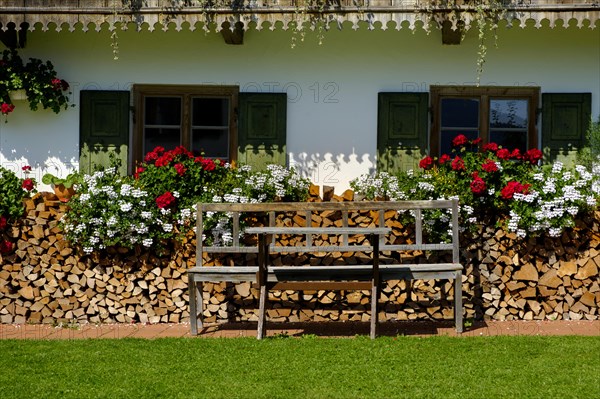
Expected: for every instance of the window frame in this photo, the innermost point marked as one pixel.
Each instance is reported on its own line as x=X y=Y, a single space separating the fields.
x=484 y=94
x=187 y=92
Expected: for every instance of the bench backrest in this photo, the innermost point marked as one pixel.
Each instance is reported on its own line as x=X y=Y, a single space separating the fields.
x=307 y=209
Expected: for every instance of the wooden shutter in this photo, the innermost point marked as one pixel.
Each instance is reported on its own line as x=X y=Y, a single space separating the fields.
x=262 y=129
x=401 y=130
x=104 y=128
x=565 y=121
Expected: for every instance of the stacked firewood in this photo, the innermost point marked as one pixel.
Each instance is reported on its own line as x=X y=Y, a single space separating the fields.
x=46 y=280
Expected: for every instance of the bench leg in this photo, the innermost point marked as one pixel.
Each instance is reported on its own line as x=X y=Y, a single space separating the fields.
x=195 y=293
x=458 y=308
x=262 y=304
x=374 y=310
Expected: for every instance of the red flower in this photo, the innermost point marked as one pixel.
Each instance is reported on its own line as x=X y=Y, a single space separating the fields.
x=3 y=222
x=476 y=141
x=26 y=168
x=180 y=169
x=6 y=247
x=181 y=150
x=458 y=164
x=426 y=163
x=154 y=154
x=208 y=165
x=493 y=147
x=27 y=184
x=444 y=158
x=514 y=187
x=164 y=159
x=6 y=108
x=459 y=140
x=138 y=170
x=489 y=166
x=477 y=185
x=503 y=153
x=57 y=84
x=516 y=154
x=165 y=200
x=533 y=155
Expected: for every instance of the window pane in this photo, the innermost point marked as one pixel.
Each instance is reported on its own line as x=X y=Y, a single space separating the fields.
x=210 y=112
x=212 y=143
x=167 y=138
x=460 y=112
x=161 y=111
x=508 y=114
x=509 y=139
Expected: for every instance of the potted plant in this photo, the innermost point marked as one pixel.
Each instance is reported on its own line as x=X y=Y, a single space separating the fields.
x=63 y=187
x=36 y=79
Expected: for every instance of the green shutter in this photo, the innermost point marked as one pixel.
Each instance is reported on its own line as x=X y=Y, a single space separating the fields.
x=262 y=129
x=565 y=121
x=401 y=130
x=104 y=129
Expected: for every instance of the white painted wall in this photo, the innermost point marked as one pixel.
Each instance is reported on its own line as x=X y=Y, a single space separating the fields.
x=332 y=88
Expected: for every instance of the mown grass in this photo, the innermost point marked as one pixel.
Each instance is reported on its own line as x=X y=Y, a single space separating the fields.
x=403 y=367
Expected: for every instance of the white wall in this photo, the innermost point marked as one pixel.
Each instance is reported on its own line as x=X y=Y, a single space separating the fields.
x=332 y=88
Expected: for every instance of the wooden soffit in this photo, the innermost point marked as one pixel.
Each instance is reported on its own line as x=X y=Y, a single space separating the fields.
x=285 y=14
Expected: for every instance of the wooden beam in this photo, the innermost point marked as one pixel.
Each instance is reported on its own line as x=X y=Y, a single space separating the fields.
x=235 y=35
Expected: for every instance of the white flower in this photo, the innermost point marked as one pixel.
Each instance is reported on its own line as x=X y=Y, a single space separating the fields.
x=557 y=167
x=125 y=206
x=554 y=231
x=146 y=214
x=147 y=242
x=176 y=194
x=167 y=227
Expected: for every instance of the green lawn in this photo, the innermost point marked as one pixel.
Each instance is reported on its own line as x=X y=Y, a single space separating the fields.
x=403 y=367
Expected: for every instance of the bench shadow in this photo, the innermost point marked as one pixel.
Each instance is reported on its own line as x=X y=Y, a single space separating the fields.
x=343 y=329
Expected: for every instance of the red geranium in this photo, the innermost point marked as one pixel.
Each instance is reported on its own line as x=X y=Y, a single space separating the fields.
x=503 y=153
x=164 y=159
x=476 y=141
x=154 y=154
x=533 y=155
x=180 y=169
x=516 y=154
x=493 y=147
x=459 y=140
x=514 y=187
x=477 y=185
x=426 y=163
x=3 y=222
x=26 y=168
x=208 y=165
x=6 y=247
x=444 y=158
x=181 y=150
x=489 y=166
x=28 y=184
x=458 y=163
x=165 y=200
x=6 y=108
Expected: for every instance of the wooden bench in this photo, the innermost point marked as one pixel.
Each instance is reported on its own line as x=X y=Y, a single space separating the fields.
x=334 y=277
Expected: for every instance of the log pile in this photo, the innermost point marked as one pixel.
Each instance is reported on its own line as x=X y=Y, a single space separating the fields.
x=46 y=280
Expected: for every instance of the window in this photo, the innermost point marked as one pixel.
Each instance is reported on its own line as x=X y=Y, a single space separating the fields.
x=200 y=118
x=504 y=115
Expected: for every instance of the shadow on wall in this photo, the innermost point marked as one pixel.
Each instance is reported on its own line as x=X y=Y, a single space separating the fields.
x=332 y=170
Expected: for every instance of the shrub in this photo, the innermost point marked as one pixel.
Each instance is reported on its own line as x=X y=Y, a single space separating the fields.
x=158 y=201
x=12 y=192
x=493 y=182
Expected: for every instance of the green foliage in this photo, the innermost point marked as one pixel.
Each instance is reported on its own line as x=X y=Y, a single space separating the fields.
x=37 y=78
x=388 y=367
x=590 y=154
x=68 y=181
x=12 y=192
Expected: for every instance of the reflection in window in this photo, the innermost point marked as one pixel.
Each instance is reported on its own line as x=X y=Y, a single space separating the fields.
x=509 y=123
x=458 y=116
x=162 y=123
x=210 y=127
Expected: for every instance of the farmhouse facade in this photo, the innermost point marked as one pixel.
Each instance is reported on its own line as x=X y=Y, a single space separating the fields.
x=365 y=85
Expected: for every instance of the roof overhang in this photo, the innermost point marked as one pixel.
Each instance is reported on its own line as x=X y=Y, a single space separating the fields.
x=284 y=14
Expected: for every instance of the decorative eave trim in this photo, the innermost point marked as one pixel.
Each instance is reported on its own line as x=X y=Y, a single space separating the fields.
x=288 y=17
